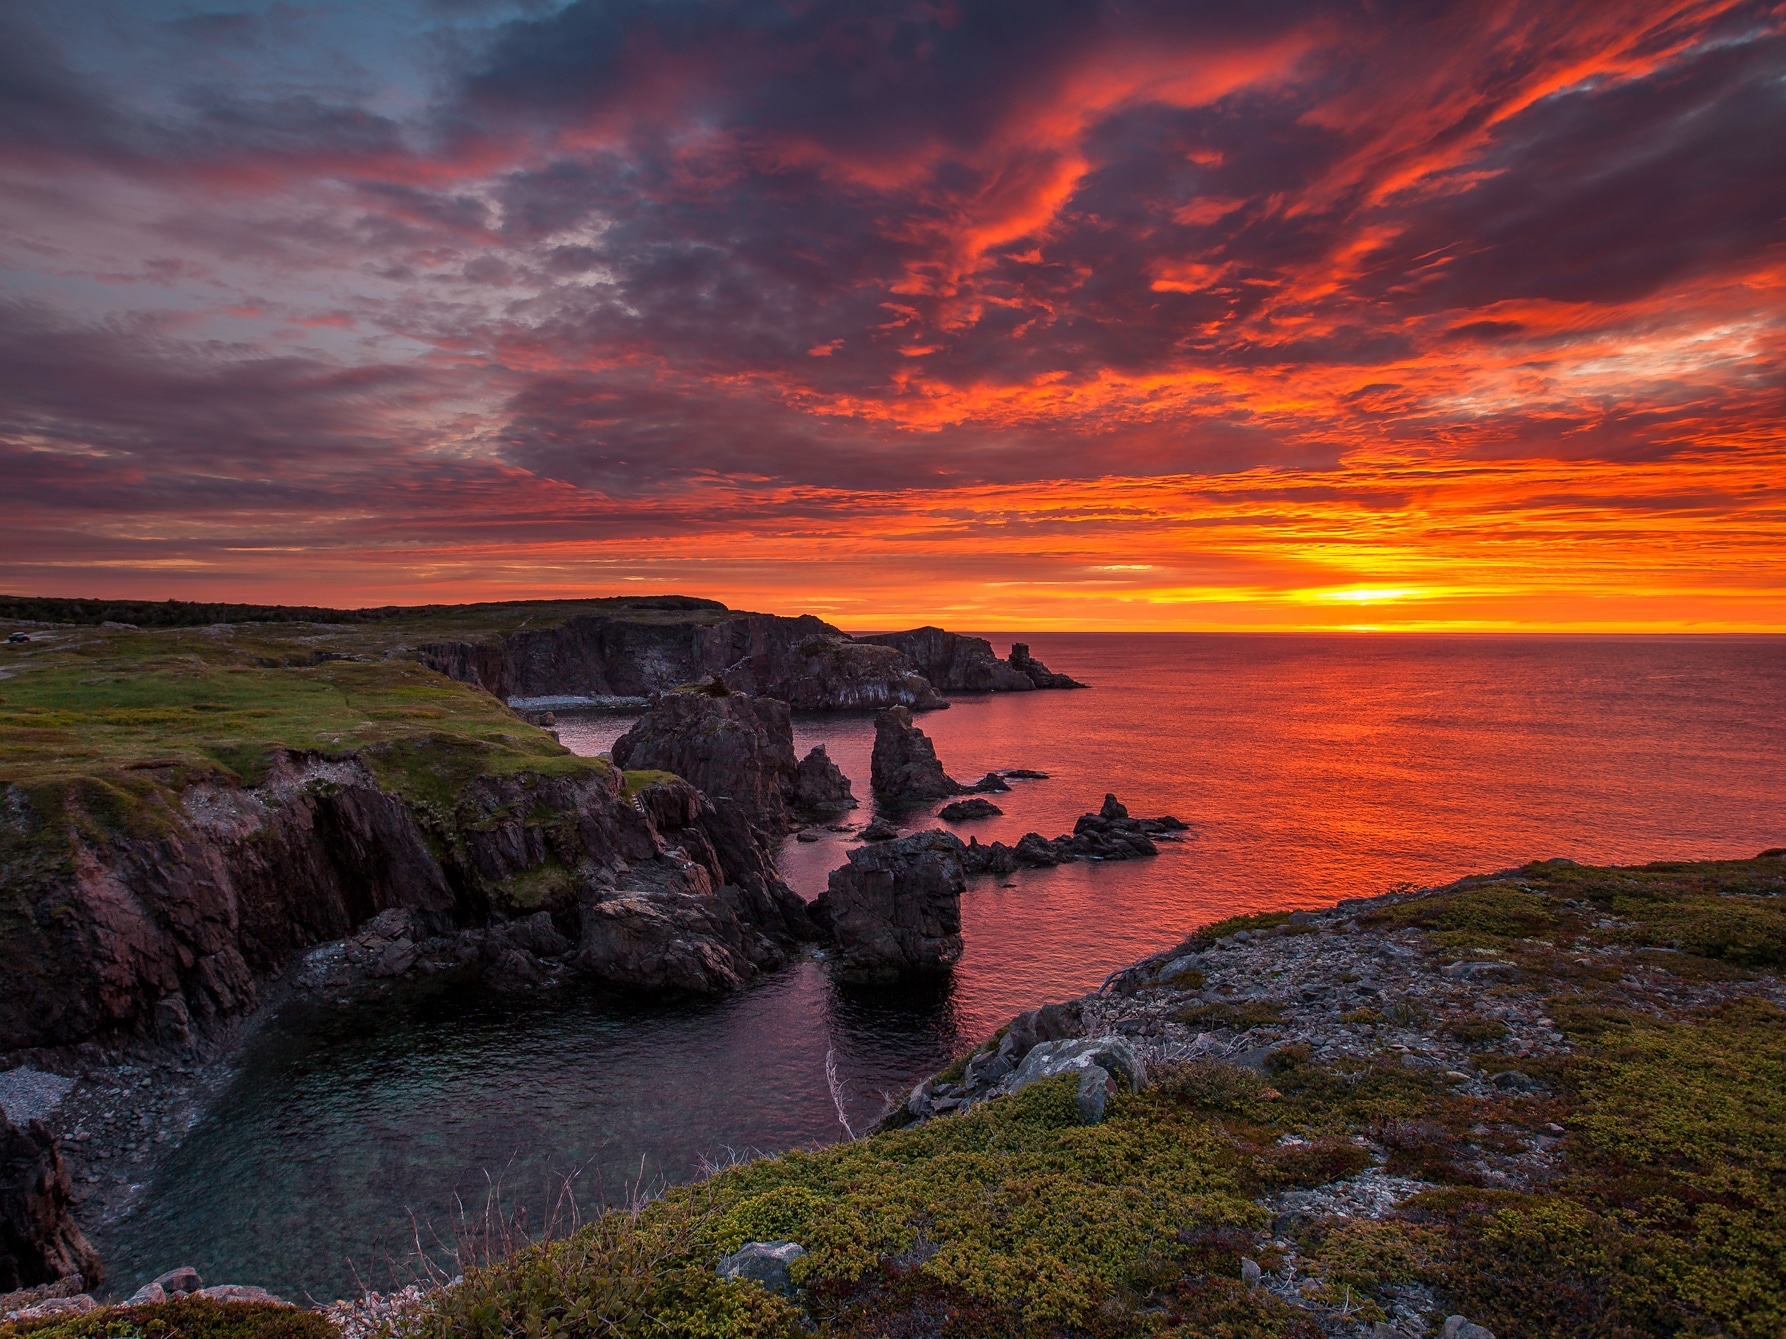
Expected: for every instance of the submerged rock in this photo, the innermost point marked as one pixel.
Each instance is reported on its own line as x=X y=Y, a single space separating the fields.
x=39 y=1240
x=896 y=906
x=904 y=768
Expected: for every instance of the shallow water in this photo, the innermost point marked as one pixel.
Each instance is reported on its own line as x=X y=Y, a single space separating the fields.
x=1310 y=768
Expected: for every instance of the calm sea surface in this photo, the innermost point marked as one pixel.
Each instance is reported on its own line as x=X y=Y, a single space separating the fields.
x=1309 y=768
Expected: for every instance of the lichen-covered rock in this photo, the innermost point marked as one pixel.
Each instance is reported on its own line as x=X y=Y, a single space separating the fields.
x=731 y=747
x=896 y=906
x=904 y=767
x=820 y=785
x=764 y=1262
x=39 y=1240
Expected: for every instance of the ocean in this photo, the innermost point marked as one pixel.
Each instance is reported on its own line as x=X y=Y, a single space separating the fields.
x=1309 y=768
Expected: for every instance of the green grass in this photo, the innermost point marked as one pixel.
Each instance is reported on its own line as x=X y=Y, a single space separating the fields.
x=182 y=1318
x=109 y=728
x=1667 y=1217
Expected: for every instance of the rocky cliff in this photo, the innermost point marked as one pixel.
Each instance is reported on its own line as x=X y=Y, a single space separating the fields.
x=727 y=745
x=118 y=937
x=39 y=1241
x=803 y=661
x=957 y=663
x=904 y=768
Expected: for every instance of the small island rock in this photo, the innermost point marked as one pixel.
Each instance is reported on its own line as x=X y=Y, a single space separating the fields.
x=896 y=906
x=904 y=768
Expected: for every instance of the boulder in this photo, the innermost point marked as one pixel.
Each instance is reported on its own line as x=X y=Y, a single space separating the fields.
x=1052 y=1022
x=764 y=1262
x=1036 y=672
x=904 y=768
x=820 y=785
x=962 y=811
x=39 y=1239
x=1456 y=1327
x=728 y=747
x=879 y=831
x=1114 y=1057
x=896 y=906
x=178 y=1282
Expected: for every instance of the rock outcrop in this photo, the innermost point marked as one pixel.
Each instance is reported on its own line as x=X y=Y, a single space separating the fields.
x=729 y=746
x=1109 y=834
x=904 y=768
x=896 y=907
x=655 y=645
x=954 y=663
x=160 y=938
x=1022 y=662
x=39 y=1240
x=962 y=811
x=820 y=785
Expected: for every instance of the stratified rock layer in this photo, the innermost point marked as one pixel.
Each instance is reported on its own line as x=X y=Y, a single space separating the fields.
x=896 y=907
x=39 y=1241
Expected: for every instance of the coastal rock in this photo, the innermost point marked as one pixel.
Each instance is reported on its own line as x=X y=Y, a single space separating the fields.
x=820 y=785
x=636 y=648
x=962 y=811
x=1022 y=662
x=952 y=662
x=764 y=1262
x=659 y=939
x=39 y=1240
x=730 y=747
x=180 y=1281
x=165 y=937
x=1456 y=1327
x=896 y=906
x=1109 y=834
x=879 y=831
x=904 y=768
x=1115 y=1055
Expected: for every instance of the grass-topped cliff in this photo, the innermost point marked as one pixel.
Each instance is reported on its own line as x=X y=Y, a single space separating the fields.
x=1584 y=1137
x=110 y=726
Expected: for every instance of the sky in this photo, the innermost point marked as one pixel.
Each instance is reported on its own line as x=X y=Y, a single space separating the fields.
x=1296 y=314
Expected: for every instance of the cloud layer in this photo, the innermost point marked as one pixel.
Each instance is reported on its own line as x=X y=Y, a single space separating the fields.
x=1286 y=314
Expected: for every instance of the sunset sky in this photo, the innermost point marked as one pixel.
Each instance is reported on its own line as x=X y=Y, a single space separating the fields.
x=1005 y=316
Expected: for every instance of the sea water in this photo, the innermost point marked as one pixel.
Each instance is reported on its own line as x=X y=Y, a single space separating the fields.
x=1310 y=768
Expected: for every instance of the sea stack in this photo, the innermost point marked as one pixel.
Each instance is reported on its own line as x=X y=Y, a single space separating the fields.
x=905 y=769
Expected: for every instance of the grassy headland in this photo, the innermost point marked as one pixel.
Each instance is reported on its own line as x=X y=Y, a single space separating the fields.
x=1633 y=1183
x=110 y=726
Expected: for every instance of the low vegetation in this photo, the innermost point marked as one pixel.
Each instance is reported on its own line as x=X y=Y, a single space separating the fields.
x=183 y=1318
x=108 y=728
x=1665 y=1214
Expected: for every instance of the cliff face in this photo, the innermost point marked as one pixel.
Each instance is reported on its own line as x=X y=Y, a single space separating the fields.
x=804 y=661
x=39 y=1239
x=144 y=937
x=953 y=662
x=734 y=747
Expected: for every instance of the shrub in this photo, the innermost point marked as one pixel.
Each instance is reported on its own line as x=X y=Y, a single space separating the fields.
x=182 y=1318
